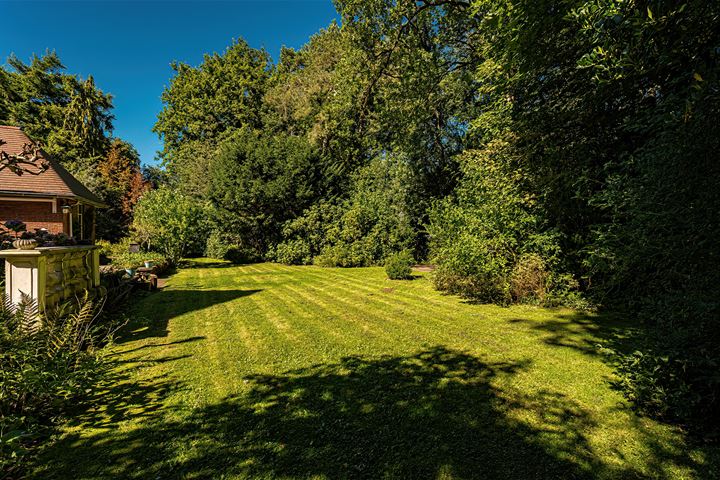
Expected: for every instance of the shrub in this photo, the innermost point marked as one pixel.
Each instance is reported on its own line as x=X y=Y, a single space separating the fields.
x=172 y=223
x=293 y=252
x=220 y=246
x=121 y=257
x=375 y=221
x=529 y=279
x=216 y=246
x=342 y=256
x=399 y=265
x=308 y=235
x=129 y=260
x=106 y=249
x=488 y=241
x=241 y=255
x=46 y=363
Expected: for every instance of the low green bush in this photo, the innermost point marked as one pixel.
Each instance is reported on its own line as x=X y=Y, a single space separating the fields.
x=120 y=256
x=129 y=260
x=217 y=246
x=306 y=236
x=399 y=265
x=221 y=246
x=293 y=252
x=241 y=255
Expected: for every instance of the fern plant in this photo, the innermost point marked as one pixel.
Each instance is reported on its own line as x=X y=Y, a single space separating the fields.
x=46 y=360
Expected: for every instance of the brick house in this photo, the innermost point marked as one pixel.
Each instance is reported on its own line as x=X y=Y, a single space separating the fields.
x=53 y=200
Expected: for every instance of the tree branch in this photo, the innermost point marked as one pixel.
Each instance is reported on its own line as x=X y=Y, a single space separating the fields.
x=29 y=161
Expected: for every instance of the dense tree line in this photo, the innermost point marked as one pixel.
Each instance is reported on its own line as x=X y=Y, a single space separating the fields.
x=71 y=119
x=544 y=151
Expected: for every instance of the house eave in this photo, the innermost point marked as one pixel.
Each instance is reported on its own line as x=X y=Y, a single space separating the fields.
x=16 y=193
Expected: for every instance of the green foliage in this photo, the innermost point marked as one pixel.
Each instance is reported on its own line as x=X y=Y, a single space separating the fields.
x=258 y=183
x=372 y=223
x=293 y=252
x=121 y=257
x=221 y=95
x=220 y=246
x=378 y=216
x=46 y=363
x=69 y=116
x=314 y=93
x=398 y=266
x=171 y=223
x=483 y=238
x=529 y=279
x=217 y=246
x=307 y=235
x=131 y=261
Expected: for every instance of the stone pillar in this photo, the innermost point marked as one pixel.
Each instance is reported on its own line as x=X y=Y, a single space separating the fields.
x=51 y=275
x=25 y=272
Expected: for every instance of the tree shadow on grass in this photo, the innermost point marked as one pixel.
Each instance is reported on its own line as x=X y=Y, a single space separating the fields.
x=592 y=334
x=160 y=307
x=434 y=414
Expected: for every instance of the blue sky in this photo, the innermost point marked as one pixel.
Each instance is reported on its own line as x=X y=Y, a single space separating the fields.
x=128 y=46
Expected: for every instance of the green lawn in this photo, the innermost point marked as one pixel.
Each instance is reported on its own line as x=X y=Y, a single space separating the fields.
x=269 y=371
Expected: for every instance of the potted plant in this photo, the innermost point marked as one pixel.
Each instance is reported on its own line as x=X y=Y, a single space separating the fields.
x=128 y=263
x=20 y=243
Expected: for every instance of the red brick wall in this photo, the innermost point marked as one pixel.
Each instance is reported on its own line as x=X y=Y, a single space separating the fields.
x=34 y=214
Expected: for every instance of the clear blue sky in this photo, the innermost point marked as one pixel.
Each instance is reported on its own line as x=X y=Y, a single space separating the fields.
x=128 y=46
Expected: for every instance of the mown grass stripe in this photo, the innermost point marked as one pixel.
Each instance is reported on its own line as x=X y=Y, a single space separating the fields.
x=411 y=301
x=388 y=307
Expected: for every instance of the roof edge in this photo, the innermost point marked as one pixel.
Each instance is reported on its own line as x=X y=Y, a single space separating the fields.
x=19 y=193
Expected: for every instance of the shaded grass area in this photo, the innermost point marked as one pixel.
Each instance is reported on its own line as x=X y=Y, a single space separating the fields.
x=268 y=371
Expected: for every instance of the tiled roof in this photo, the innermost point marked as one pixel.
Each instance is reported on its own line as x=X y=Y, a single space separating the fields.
x=55 y=181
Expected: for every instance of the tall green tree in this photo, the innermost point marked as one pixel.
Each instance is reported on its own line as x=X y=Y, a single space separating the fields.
x=258 y=182
x=202 y=103
x=72 y=120
x=69 y=116
x=314 y=93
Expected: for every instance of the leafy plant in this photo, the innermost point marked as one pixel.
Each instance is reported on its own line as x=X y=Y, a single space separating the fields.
x=398 y=266
x=15 y=226
x=529 y=279
x=172 y=223
x=46 y=362
x=220 y=245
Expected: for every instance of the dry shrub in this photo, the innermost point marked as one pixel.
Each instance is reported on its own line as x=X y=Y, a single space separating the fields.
x=529 y=279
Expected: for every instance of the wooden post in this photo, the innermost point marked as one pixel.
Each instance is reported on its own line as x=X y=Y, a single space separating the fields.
x=92 y=231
